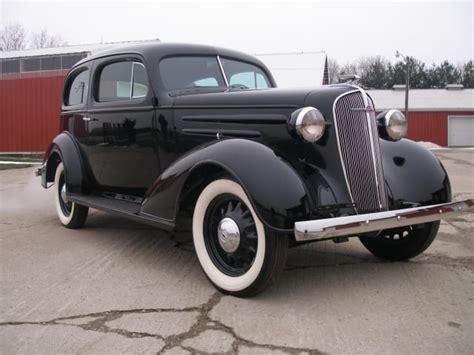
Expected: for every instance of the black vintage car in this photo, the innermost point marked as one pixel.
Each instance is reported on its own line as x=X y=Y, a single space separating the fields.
x=199 y=138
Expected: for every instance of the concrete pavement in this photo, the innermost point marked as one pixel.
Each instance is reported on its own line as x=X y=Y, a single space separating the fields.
x=117 y=286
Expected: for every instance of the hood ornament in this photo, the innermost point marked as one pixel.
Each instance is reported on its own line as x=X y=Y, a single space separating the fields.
x=348 y=78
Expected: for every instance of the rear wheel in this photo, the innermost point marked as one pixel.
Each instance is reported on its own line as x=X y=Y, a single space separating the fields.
x=402 y=243
x=236 y=252
x=70 y=213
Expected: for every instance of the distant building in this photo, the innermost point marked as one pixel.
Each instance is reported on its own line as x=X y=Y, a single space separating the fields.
x=441 y=116
x=298 y=69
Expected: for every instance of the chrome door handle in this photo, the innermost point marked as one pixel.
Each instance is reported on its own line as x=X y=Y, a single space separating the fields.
x=86 y=118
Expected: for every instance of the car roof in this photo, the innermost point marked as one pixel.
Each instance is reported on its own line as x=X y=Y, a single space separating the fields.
x=160 y=50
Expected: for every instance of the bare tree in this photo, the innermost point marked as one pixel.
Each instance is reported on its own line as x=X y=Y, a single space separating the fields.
x=349 y=68
x=373 y=71
x=44 y=40
x=13 y=37
x=333 y=70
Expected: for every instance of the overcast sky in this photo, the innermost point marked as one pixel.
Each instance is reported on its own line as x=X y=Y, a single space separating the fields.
x=430 y=31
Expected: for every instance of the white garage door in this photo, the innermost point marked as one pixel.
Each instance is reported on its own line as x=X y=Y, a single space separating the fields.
x=461 y=131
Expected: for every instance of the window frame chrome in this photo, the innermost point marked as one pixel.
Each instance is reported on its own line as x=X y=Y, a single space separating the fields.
x=132 y=97
x=221 y=67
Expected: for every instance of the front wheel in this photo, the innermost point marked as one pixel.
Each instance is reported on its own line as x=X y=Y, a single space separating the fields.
x=236 y=252
x=402 y=243
x=70 y=213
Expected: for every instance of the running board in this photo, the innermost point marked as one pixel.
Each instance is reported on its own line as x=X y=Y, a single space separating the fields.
x=123 y=208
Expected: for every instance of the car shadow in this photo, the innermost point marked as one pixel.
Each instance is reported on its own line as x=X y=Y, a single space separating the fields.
x=309 y=268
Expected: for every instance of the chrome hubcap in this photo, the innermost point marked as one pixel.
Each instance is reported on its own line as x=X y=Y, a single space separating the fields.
x=228 y=235
x=63 y=193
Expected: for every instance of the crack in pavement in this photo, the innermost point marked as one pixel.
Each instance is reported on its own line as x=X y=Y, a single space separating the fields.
x=203 y=323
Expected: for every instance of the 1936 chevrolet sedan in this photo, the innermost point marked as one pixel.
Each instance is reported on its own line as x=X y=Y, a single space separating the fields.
x=186 y=135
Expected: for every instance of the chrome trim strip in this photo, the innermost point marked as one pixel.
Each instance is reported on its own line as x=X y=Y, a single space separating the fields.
x=131 y=80
x=132 y=96
x=377 y=182
x=222 y=71
x=339 y=144
x=358 y=224
x=238 y=118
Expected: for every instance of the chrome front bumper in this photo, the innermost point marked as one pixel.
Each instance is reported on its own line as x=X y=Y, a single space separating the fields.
x=363 y=223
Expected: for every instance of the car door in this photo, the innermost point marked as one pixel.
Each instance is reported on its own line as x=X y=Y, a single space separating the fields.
x=122 y=139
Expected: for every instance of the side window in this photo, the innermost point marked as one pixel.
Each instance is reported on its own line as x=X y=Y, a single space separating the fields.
x=114 y=82
x=78 y=89
x=178 y=73
x=252 y=80
x=122 y=81
x=245 y=74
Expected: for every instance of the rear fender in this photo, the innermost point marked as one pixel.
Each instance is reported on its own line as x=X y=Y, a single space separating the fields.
x=64 y=149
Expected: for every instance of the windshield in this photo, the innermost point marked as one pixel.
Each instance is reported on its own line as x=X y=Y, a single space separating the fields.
x=191 y=72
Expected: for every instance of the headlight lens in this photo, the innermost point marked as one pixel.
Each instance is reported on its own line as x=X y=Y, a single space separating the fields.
x=395 y=124
x=310 y=124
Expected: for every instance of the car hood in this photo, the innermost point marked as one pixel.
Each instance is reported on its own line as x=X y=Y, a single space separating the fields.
x=267 y=97
x=271 y=98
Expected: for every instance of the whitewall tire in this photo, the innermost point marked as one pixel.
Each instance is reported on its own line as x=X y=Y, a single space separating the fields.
x=69 y=213
x=236 y=252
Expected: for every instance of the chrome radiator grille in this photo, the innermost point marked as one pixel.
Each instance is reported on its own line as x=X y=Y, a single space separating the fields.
x=360 y=152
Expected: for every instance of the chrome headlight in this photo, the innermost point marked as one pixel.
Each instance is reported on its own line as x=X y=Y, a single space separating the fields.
x=393 y=125
x=309 y=123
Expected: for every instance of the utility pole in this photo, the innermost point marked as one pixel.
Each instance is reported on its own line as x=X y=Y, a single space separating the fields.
x=407 y=79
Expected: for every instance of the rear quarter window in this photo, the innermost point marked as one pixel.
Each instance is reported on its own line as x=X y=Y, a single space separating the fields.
x=76 y=93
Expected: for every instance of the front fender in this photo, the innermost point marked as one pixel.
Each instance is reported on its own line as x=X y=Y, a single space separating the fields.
x=275 y=190
x=67 y=150
x=413 y=174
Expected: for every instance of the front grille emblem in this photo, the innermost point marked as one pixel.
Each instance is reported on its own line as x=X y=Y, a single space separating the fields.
x=368 y=109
